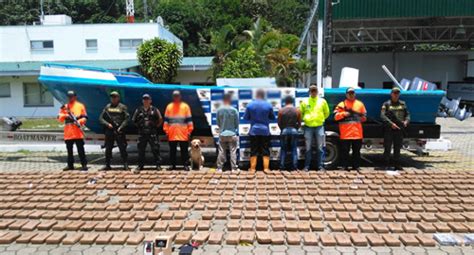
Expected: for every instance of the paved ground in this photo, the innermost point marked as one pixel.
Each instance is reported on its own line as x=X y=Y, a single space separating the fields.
x=46 y=211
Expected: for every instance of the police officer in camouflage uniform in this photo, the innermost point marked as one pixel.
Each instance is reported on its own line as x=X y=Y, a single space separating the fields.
x=147 y=118
x=115 y=118
x=396 y=117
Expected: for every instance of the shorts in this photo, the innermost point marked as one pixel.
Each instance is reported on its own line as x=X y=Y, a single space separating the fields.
x=260 y=145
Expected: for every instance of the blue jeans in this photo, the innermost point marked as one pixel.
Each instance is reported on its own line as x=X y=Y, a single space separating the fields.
x=289 y=141
x=311 y=133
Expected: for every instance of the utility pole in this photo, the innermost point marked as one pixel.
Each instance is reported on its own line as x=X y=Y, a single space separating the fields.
x=145 y=10
x=327 y=71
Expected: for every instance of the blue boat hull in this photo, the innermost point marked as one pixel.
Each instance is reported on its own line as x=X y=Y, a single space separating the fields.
x=94 y=93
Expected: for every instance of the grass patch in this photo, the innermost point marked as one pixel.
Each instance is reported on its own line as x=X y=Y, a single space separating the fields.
x=41 y=123
x=25 y=152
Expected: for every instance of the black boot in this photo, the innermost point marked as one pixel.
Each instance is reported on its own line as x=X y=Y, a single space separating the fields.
x=398 y=167
x=125 y=166
x=84 y=167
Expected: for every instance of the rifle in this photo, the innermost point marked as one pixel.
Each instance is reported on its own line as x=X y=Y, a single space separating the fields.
x=360 y=115
x=391 y=116
x=115 y=126
x=73 y=117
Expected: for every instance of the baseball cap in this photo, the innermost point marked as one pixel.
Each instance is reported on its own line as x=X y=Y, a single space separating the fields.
x=114 y=94
x=146 y=96
x=350 y=89
x=395 y=90
x=71 y=93
x=176 y=93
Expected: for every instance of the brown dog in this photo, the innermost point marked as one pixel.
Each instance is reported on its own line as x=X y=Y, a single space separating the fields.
x=196 y=157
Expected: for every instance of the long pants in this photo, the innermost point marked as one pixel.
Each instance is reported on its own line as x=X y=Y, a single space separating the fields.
x=143 y=141
x=289 y=142
x=110 y=139
x=80 y=150
x=227 y=143
x=311 y=134
x=346 y=147
x=395 y=137
x=183 y=145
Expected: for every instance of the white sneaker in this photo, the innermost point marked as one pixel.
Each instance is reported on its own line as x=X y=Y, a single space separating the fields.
x=219 y=170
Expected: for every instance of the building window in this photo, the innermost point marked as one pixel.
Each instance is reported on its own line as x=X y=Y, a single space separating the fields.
x=42 y=45
x=91 y=44
x=35 y=94
x=130 y=43
x=5 y=90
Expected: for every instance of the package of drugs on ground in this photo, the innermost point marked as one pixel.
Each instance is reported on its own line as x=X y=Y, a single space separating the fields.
x=445 y=239
x=469 y=239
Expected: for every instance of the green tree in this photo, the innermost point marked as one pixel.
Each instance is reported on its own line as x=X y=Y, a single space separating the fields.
x=159 y=60
x=288 y=16
x=302 y=70
x=242 y=63
x=222 y=43
x=271 y=51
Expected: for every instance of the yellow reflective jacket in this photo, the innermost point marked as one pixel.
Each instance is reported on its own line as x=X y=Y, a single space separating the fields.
x=314 y=112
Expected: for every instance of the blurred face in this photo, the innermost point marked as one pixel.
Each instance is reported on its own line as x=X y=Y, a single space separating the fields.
x=72 y=99
x=176 y=98
x=395 y=96
x=313 y=93
x=350 y=95
x=146 y=102
x=114 y=99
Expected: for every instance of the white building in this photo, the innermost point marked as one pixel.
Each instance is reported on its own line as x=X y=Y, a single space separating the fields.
x=23 y=49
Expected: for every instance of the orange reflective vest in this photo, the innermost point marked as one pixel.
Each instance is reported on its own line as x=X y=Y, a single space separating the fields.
x=178 y=123
x=350 y=115
x=71 y=129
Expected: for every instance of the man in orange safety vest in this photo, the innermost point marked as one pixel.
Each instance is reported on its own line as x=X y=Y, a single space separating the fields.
x=178 y=126
x=74 y=116
x=350 y=114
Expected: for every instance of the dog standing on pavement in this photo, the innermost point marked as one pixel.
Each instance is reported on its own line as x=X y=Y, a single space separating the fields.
x=196 y=157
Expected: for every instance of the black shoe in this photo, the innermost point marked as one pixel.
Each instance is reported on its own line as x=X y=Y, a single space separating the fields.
x=158 y=167
x=106 y=168
x=171 y=168
x=84 y=168
x=186 y=168
x=125 y=166
x=347 y=168
x=400 y=168
x=68 y=168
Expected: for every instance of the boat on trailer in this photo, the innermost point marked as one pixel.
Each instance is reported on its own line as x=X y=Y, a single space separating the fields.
x=93 y=86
